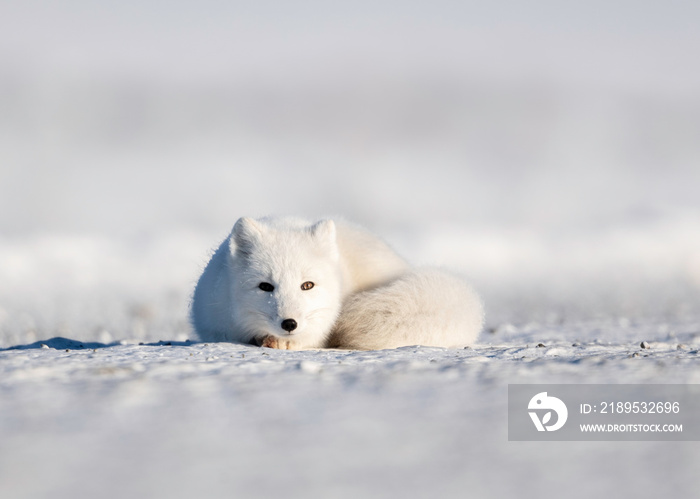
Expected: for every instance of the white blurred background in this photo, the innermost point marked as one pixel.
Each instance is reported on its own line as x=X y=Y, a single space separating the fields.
x=548 y=151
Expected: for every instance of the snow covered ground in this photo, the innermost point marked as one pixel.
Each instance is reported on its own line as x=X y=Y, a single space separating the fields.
x=547 y=153
x=178 y=419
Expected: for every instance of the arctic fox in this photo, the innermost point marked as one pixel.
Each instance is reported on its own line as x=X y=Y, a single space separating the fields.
x=286 y=283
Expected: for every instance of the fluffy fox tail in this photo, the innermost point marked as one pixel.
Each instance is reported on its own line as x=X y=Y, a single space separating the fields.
x=423 y=307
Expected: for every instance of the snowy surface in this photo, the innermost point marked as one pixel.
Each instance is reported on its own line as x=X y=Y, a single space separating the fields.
x=547 y=153
x=177 y=419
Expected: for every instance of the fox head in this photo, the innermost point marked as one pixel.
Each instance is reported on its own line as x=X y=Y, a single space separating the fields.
x=286 y=278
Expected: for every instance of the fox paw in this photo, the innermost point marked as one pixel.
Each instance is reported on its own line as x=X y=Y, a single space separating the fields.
x=279 y=343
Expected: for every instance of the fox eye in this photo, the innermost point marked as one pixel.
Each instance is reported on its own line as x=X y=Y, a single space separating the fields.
x=307 y=285
x=266 y=286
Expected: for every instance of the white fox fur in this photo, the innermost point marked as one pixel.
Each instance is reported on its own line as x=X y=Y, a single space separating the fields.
x=363 y=295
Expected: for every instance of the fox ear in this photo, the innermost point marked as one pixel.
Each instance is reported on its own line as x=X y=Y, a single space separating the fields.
x=324 y=233
x=245 y=235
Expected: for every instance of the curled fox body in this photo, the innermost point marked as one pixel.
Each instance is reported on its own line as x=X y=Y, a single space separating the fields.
x=286 y=283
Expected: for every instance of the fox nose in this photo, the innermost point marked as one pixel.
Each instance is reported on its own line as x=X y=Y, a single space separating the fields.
x=289 y=325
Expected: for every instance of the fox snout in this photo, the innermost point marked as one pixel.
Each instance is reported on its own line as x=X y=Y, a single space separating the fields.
x=289 y=325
